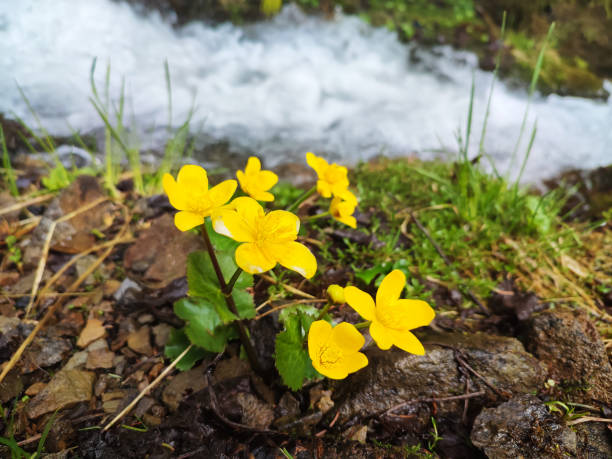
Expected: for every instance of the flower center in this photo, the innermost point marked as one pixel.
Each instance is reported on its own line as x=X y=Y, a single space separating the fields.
x=334 y=173
x=393 y=316
x=329 y=355
x=199 y=202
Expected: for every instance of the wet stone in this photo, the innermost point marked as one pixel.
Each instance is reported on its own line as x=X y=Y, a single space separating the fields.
x=100 y=358
x=9 y=336
x=594 y=440
x=67 y=388
x=568 y=343
x=522 y=427
x=393 y=377
x=44 y=352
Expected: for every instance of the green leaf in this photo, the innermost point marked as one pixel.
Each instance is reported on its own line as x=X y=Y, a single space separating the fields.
x=203 y=327
x=368 y=275
x=177 y=343
x=292 y=360
x=203 y=282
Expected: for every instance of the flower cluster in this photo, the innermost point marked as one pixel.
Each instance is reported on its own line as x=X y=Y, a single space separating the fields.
x=270 y=238
x=391 y=321
x=333 y=183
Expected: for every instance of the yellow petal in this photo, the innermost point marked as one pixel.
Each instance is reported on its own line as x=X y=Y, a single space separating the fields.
x=354 y=362
x=185 y=220
x=192 y=177
x=406 y=341
x=262 y=196
x=176 y=196
x=293 y=255
x=280 y=225
x=267 y=179
x=318 y=335
x=221 y=193
x=324 y=189
x=252 y=260
x=391 y=288
x=336 y=371
x=381 y=335
x=231 y=224
x=336 y=293
x=249 y=209
x=253 y=166
x=361 y=302
x=242 y=180
x=420 y=314
x=317 y=163
x=347 y=337
x=349 y=221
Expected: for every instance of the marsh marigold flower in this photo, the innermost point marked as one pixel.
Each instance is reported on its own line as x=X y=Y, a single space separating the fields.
x=335 y=351
x=336 y=293
x=256 y=182
x=332 y=177
x=191 y=196
x=267 y=238
x=342 y=208
x=392 y=318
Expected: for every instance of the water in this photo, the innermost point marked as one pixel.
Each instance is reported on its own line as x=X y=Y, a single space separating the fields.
x=284 y=87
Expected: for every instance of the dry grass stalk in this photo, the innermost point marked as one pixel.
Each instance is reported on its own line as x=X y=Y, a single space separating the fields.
x=29 y=202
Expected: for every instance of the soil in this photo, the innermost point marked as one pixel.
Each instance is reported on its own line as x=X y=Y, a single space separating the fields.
x=488 y=378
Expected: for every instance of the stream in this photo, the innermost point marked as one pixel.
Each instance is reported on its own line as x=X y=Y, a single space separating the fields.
x=282 y=87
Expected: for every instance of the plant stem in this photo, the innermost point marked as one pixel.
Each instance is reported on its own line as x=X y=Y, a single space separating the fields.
x=316 y=217
x=232 y=282
x=361 y=325
x=305 y=195
x=241 y=328
x=324 y=310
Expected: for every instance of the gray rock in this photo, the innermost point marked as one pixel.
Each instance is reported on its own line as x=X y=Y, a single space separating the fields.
x=395 y=376
x=67 y=388
x=522 y=427
x=570 y=346
x=44 y=352
x=594 y=440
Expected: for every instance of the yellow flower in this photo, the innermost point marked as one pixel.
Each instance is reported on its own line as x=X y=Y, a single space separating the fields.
x=268 y=238
x=336 y=293
x=392 y=318
x=335 y=351
x=256 y=182
x=342 y=208
x=332 y=178
x=190 y=194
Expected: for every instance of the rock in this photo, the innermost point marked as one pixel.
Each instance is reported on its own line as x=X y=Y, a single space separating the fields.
x=522 y=427
x=93 y=330
x=140 y=340
x=82 y=265
x=77 y=360
x=255 y=413
x=159 y=255
x=161 y=332
x=100 y=358
x=594 y=440
x=395 y=376
x=571 y=348
x=182 y=385
x=74 y=235
x=44 y=352
x=65 y=389
x=9 y=336
x=358 y=433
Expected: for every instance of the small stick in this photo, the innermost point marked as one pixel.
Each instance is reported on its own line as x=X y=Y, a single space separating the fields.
x=29 y=202
x=588 y=419
x=287 y=287
x=17 y=355
x=468 y=292
x=146 y=390
x=389 y=411
x=43 y=259
x=286 y=305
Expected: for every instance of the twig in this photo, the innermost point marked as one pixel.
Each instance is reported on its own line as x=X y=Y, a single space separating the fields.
x=17 y=355
x=29 y=440
x=29 y=202
x=389 y=411
x=588 y=419
x=286 y=305
x=147 y=389
x=467 y=292
x=286 y=287
x=43 y=259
